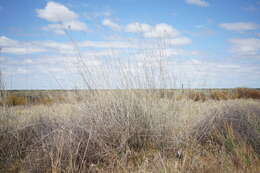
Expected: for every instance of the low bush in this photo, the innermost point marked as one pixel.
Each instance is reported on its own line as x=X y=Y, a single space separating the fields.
x=14 y=100
x=220 y=95
x=247 y=93
x=242 y=119
x=197 y=96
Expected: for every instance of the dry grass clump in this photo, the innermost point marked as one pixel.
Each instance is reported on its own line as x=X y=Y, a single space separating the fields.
x=130 y=132
x=239 y=93
x=242 y=119
x=22 y=100
x=247 y=93
x=197 y=96
x=13 y=100
x=221 y=95
x=101 y=131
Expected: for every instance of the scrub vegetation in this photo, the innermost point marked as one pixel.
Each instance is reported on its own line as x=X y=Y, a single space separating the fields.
x=131 y=131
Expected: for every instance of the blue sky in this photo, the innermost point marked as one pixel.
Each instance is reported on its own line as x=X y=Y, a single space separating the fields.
x=66 y=44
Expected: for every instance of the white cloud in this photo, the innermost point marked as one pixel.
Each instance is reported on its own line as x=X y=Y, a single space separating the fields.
x=180 y=41
x=5 y=41
x=28 y=61
x=75 y=25
x=56 y=28
x=63 y=18
x=249 y=47
x=71 y=25
x=55 y=12
x=168 y=52
x=200 y=3
x=57 y=47
x=14 y=47
x=138 y=27
x=96 y=14
x=2 y=59
x=239 y=26
x=156 y=54
x=107 y=44
x=18 y=47
x=161 y=30
x=22 y=71
x=101 y=53
x=111 y=24
x=22 y=50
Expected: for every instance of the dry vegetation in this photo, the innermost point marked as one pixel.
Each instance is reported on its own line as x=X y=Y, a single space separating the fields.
x=50 y=97
x=134 y=131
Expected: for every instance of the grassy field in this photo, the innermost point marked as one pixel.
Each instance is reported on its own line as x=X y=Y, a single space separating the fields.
x=130 y=131
x=135 y=66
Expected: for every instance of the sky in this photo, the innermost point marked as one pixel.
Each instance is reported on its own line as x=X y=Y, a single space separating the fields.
x=70 y=44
